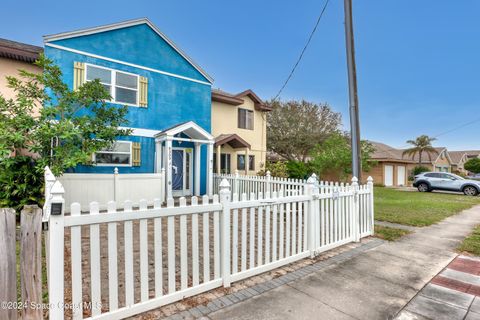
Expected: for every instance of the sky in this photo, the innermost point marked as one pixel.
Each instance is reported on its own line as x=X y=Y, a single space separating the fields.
x=418 y=62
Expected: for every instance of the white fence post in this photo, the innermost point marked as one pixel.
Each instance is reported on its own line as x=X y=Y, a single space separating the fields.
x=269 y=178
x=162 y=193
x=371 y=211
x=235 y=184
x=115 y=184
x=56 y=250
x=49 y=181
x=356 y=209
x=225 y=229
x=311 y=215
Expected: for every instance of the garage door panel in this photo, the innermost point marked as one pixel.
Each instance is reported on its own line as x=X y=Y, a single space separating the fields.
x=401 y=175
x=388 y=178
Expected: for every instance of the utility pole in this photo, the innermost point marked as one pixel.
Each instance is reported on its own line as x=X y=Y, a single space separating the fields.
x=352 y=89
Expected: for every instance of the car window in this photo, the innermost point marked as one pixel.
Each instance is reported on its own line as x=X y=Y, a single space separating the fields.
x=447 y=176
x=432 y=175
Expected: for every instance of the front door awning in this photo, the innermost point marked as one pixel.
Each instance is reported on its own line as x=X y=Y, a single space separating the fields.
x=233 y=140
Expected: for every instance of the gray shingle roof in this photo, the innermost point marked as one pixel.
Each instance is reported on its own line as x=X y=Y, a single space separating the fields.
x=19 y=51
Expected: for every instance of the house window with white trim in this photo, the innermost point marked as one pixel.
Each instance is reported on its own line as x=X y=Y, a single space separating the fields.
x=245 y=119
x=122 y=86
x=118 y=154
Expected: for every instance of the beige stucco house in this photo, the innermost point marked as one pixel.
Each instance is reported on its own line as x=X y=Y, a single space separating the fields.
x=460 y=157
x=15 y=56
x=392 y=167
x=458 y=161
x=239 y=126
x=435 y=161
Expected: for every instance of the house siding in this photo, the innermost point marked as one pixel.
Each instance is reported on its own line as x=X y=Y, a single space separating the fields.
x=171 y=100
x=225 y=121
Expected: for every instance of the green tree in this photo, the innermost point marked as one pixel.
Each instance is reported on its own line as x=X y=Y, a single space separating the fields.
x=295 y=127
x=47 y=123
x=473 y=165
x=335 y=154
x=277 y=169
x=421 y=145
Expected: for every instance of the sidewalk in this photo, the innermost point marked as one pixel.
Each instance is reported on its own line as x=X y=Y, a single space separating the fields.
x=454 y=294
x=374 y=285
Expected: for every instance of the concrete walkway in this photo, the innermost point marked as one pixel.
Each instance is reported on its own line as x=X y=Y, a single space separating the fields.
x=374 y=285
x=454 y=294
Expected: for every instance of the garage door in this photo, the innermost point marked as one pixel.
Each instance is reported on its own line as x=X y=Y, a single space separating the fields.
x=400 y=175
x=388 y=176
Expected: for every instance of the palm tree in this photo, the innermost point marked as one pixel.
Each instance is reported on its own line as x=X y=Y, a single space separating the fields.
x=420 y=145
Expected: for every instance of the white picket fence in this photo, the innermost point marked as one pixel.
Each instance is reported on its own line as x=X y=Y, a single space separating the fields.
x=125 y=262
x=259 y=184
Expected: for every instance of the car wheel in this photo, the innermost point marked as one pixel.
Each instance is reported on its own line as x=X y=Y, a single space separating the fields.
x=423 y=187
x=470 y=191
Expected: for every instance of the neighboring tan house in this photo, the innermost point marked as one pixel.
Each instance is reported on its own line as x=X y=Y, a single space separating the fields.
x=391 y=168
x=439 y=161
x=471 y=154
x=14 y=56
x=239 y=126
x=458 y=161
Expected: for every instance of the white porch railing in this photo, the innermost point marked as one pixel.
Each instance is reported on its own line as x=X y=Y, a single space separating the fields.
x=181 y=251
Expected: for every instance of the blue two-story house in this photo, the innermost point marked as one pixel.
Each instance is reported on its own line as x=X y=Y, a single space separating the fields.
x=168 y=96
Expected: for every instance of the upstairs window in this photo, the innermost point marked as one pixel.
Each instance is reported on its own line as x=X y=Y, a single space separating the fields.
x=245 y=119
x=122 y=86
x=118 y=154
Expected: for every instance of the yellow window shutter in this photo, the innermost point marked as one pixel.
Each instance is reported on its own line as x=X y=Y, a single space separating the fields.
x=136 y=151
x=78 y=74
x=143 y=92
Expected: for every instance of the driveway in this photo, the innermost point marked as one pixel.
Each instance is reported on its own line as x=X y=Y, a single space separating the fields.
x=374 y=285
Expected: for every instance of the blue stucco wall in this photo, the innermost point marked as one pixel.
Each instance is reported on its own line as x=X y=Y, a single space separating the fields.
x=147 y=157
x=171 y=100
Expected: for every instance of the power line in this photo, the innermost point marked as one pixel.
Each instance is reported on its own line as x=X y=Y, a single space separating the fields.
x=303 y=51
x=440 y=134
x=457 y=128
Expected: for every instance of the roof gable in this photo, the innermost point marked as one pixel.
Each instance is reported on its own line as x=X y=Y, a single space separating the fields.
x=237 y=99
x=134 y=41
x=190 y=128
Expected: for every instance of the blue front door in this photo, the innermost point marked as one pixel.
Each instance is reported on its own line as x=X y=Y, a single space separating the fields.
x=177 y=170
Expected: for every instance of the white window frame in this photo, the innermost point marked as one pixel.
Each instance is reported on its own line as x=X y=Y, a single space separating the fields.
x=115 y=152
x=114 y=85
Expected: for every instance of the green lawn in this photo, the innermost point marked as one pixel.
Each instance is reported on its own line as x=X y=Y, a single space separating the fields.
x=416 y=208
x=390 y=234
x=471 y=244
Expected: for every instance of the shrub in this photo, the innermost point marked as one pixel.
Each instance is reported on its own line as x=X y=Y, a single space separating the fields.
x=277 y=169
x=298 y=170
x=419 y=169
x=473 y=165
x=21 y=180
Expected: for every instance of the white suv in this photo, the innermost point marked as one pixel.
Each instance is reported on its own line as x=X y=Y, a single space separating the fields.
x=429 y=181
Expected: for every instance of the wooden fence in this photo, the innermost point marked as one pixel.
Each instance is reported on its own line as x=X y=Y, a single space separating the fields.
x=28 y=300
x=125 y=262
